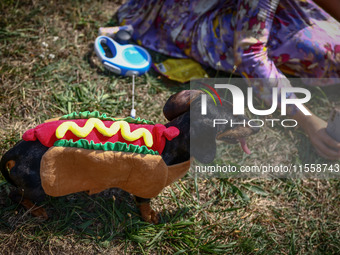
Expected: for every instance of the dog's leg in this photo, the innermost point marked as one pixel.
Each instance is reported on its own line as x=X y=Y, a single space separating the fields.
x=37 y=211
x=147 y=213
x=21 y=167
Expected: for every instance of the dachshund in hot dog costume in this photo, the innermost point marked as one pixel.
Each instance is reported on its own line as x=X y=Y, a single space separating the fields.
x=92 y=152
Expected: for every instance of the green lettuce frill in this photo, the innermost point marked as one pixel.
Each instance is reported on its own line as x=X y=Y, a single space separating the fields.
x=117 y=146
x=96 y=114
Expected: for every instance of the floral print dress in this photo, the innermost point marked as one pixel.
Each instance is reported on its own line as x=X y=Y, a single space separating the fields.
x=262 y=38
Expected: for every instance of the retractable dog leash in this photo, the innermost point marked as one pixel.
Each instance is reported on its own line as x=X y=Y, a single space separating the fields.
x=126 y=60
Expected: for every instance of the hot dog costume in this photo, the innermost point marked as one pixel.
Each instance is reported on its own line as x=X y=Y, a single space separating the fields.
x=93 y=152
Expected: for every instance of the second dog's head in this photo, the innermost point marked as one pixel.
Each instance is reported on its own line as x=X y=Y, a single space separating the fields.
x=218 y=123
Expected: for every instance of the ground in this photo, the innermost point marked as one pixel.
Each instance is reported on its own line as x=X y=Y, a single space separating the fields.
x=48 y=68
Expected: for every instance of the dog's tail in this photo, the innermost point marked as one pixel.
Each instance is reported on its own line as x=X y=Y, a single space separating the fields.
x=179 y=103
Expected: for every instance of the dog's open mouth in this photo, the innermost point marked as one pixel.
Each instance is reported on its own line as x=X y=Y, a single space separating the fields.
x=237 y=135
x=244 y=145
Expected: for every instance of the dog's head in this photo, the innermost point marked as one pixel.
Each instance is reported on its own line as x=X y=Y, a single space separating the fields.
x=218 y=123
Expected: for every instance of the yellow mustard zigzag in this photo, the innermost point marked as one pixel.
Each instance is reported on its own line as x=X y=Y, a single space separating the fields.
x=111 y=131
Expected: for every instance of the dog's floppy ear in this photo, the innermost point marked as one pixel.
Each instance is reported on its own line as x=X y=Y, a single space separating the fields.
x=179 y=103
x=202 y=141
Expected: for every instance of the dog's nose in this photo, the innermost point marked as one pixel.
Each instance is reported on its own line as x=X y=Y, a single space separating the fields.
x=255 y=129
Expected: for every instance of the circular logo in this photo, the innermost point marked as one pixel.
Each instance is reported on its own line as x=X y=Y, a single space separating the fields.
x=135 y=56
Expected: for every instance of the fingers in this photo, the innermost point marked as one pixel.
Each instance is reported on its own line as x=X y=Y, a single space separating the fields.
x=329 y=141
x=326 y=153
x=324 y=145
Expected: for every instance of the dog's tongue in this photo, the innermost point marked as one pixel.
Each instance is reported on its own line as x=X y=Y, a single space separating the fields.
x=244 y=145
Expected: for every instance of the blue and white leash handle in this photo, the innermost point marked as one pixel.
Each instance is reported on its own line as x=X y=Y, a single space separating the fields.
x=126 y=60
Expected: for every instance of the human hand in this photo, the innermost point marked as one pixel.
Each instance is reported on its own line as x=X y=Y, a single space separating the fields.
x=315 y=128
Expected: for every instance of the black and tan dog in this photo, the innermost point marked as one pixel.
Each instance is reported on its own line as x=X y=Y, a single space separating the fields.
x=21 y=165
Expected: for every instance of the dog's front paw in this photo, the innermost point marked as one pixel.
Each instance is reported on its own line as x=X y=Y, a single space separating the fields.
x=148 y=214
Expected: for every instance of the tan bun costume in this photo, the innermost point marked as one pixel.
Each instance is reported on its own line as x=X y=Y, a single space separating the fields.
x=92 y=152
x=66 y=170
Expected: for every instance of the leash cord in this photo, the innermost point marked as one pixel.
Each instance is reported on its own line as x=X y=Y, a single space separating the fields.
x=133 y=91
x=133 y=111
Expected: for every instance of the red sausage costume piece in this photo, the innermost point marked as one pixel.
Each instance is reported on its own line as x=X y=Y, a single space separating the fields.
x=45 y=133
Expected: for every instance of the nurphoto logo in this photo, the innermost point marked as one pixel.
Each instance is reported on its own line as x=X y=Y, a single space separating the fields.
x=238 y=101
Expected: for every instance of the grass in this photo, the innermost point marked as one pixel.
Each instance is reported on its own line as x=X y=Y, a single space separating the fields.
x=48 y=68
